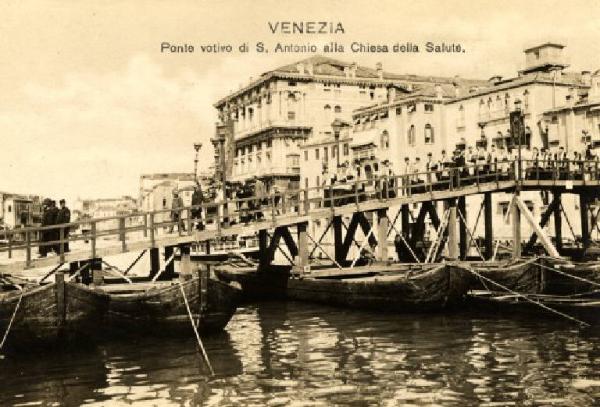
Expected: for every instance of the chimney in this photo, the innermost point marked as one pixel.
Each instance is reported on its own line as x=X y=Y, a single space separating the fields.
x=353 y=68
x=300 y=67
x=379 y=67
x=438 y=91
x=586 y=77
x=310 y=68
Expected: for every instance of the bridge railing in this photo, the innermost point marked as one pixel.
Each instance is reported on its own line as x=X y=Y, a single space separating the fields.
x=153 y=225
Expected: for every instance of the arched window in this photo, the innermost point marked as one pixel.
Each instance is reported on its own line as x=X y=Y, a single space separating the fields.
x=428 y=134
x=411 y=135
x=526 y=99
x=461 y=117
x=507 y=102
x=384 y=140
x=338 y=109
x=327 y=108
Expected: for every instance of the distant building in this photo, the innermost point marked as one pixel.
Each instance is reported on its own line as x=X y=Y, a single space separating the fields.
x=265 y=123
x=105 y=208
x=20 y=210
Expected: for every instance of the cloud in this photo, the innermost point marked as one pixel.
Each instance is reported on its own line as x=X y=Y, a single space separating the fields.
x=92 y=135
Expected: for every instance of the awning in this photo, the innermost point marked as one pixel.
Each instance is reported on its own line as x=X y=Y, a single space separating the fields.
x=364 y=138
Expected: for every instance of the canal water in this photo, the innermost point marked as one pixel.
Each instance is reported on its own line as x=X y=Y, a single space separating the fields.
x=278 y=353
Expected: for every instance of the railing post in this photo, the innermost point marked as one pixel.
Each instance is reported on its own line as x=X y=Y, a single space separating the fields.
x=145 y=231
x=122 y=233
x=152 y=239
x=9 y=238
x=356 y=200
x=272 y=202
x=93 y=239
x=61 y=244
x=27 y=248
x=283 y=204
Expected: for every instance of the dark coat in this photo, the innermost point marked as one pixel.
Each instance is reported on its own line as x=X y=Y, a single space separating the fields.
x=63 y=215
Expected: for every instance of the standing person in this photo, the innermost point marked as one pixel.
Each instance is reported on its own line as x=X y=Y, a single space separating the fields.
x=259 y=194
x=176 y=205
x=63 y=216
x=406 y=175
x=45 y=234
x=197 y=199
x=53 y=233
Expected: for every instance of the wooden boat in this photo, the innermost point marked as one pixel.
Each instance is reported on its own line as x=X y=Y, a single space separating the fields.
x=395 y=287
x=582 y=307
x=50 y=314
x=565 y=277
x=523 y=275
x=159 y=307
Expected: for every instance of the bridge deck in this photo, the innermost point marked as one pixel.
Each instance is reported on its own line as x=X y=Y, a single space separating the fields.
x=148 y=230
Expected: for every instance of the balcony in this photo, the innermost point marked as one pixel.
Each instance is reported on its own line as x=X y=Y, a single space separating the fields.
x=248 y=131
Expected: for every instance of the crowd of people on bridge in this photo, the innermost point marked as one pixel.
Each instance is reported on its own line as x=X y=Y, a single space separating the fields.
x=50 y=238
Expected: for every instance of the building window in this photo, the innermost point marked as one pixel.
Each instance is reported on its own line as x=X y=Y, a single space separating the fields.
x=250 y=113
x=526 y=99
x=291 y=83
x=325 y=153
x=316 y=153
x=338 y=109
x=269 y=143
x=327 y=87
x=291 y=115
x=327 y=108
x=429 y=134
x=461 y=117
x=305 y=155
x=334 y=150
x=318 y=184
x=411 y=108
x=10 y=208
x=428 y=107
x=411 y=135
x=385 y=140
x=398 y=111
x=346 y=149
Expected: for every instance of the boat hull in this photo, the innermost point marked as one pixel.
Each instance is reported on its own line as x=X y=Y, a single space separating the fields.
x=42 y=318
x=393 y=288
x=162 y=309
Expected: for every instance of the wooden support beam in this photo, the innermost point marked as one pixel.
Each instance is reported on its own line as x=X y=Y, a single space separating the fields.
x=488 y=225
x=453 y=250
x=585 y=221
x=366 y=227
x=263 y=248
x=557 y=222
x=338 y=240
x=302 y=244
x=169 y=272
x=544 y=239
x=550 y=210
x=382 y=229
x=516 y=227
x=462 y=229
x=405 y=221
x=154 y=261
x=289 y=240
x=419 y=225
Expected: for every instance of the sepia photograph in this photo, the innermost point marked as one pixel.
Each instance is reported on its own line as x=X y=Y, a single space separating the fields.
x=299 y=203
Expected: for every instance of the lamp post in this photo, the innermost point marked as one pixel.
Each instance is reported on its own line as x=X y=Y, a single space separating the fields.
x=517 y=127
x=197 y=147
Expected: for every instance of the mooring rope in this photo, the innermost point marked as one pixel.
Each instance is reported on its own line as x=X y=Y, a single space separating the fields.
x=195 y=328
x=470 y=269
x=12 y=319
x=569 y=275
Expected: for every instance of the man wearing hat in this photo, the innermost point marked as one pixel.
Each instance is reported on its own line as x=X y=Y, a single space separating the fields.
x=63 y=216
x=176 y=205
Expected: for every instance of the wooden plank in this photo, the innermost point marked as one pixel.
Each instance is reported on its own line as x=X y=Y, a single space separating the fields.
x=544 y=238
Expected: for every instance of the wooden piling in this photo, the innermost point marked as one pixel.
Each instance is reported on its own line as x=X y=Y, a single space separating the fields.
x=383 y=225
x=462 y=229
x=169 y=272
x=154 y=261
x=557 y=222
x=338 y=240
x=302 y=244
x=453 y=249
x=585 y=221
x=488 y=225
x=516 y=228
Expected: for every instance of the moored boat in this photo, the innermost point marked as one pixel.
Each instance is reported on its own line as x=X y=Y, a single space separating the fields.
x=521 y=275
x=159 y=307
x=50 y=314
x=394 y=287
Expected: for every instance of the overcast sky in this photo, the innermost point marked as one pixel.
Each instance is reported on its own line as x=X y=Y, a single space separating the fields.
x=88 y=102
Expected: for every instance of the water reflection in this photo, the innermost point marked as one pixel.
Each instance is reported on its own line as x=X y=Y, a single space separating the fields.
x=291 y=353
